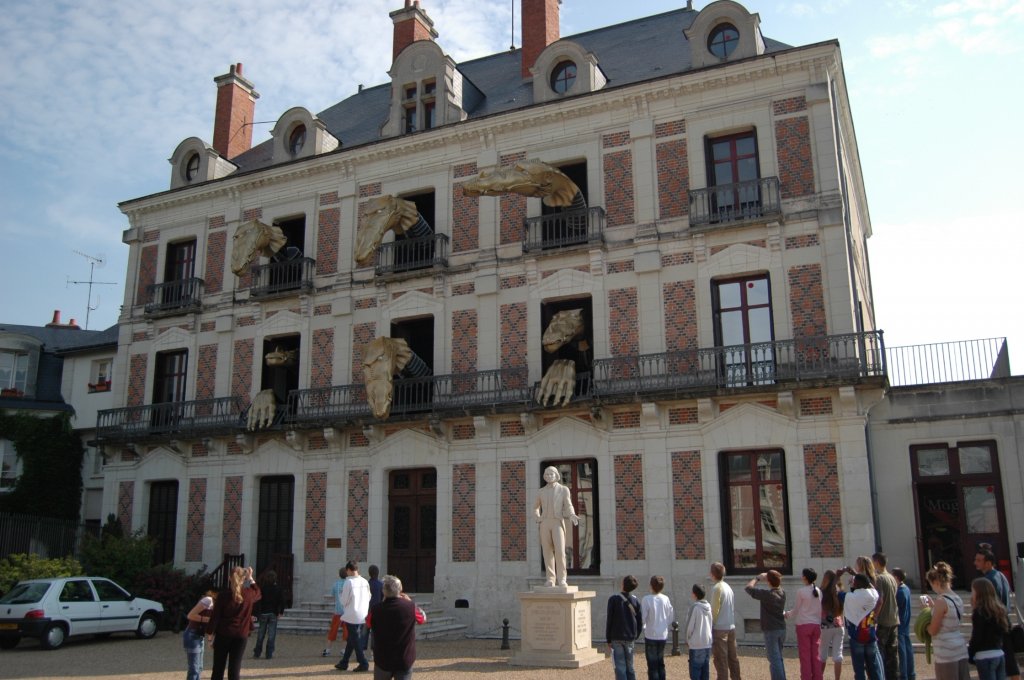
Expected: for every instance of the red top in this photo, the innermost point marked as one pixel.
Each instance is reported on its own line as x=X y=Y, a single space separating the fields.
x=234 y=619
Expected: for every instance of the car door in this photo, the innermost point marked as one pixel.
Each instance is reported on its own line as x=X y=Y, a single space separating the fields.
x=77 y=603
x=116 y=606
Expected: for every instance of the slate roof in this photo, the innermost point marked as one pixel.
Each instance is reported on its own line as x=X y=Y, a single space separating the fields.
x=627 y=53
x=63 y=339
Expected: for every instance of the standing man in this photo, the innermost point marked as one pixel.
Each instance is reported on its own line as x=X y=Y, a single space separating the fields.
x=552 y=508
x=887 y=617
x=985 y=562
x=376 y=597
x=623 y=626
x=393 y=621
x=773 y=618
x=723 y=626
x=355 y=597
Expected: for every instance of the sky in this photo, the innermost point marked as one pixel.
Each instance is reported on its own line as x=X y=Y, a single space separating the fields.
x=96 y=94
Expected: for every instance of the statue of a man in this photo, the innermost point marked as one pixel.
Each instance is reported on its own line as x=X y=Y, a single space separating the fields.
x=552 y=508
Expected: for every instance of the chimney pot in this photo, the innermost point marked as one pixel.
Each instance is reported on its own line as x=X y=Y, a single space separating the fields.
x=56 y=317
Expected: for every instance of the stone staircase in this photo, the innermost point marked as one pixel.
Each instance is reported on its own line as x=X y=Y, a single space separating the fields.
x=314 y=618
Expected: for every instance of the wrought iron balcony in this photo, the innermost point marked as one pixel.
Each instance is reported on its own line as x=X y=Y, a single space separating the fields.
x=325 y=406
x=564 y=229
x=752 y=200
x=185 y=419
x=409 y=254
x=945 y=362
x=174 y=297
x=849 y=357
x=283 y=277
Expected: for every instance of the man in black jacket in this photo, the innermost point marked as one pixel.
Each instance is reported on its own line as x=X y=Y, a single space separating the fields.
x=393 y=622
x=623 y=626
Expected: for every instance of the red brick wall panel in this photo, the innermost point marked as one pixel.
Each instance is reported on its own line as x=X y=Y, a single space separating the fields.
x=673 y=179
x=358 y=513
x=630 y=543
x=216 y=251
x=362 y=334
x=796 y=167
x=687 y=505
x=196 y=520
x=206 y=372
x=816 y=406
x=327 y=238
x=465 y=221
x=807 y=301
x=464 y=513
x=824 y=501
x=680 y=303
x=618 y=188
x=623 y=326
x=231 y=534
x=147 y=273
x=464 y=341
x=322 y=369
x=126 y=505
x=316 y=517
x=241 y=374
x=136 y=387
x=684 y=415
x=513 y=511
x=514 y=352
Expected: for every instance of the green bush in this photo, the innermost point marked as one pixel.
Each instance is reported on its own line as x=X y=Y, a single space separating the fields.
x=21 y=567
x=121 y=558
x=177 y=591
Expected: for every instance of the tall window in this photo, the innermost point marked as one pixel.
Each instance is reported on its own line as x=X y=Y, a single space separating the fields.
x=743 y=329
x=756 y=524
x=10 y=465
x=14 y=371
x=179 y=269
x=567 y=226
x=171 y=369
x=419 y=106
x=163 y=519
x=733 y=172
x=582 y=548
x=274 y=521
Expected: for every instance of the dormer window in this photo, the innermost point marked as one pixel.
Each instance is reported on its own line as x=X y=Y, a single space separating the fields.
x=563 y=76
x=297 y=139
x=419 y=106
x=723 y=40
x=192 y=167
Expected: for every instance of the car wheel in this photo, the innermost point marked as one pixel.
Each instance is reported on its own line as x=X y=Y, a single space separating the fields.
x=53 y=636
x=147 y=626
x=10 y=642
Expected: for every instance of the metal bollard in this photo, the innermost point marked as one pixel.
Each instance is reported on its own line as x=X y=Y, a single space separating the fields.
x=504 y=634
x=675 y=639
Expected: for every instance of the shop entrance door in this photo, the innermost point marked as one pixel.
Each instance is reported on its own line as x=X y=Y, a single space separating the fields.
x=412 y=533
x=959 y=505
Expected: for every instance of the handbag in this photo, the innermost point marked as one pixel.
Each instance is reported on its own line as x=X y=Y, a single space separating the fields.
x=1017 y=638
x=866 y=629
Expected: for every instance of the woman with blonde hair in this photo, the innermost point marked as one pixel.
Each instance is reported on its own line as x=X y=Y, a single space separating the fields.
x=231 y=622
x=949 y=648
x=832 y=631
x=989 y=626
x=864 y=565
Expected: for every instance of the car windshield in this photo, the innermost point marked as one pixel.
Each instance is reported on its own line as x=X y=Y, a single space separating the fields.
x=25 y=593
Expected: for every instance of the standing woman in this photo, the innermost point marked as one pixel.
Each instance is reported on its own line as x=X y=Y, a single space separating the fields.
x=864 y=565
x=193 y=638
x=807 y=617
x=949 y=648
x=773 y=619
x=831 y=643
x=989 y=625
x=231 y=622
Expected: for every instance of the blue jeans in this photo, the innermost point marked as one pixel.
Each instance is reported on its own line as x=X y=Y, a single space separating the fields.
x=906 y=647
x=194 y=643
x=700 y=664
x=622 y=659
x=991 y=669
x=268 y=630
x=773 y=642
x=866 y=657
x=354 y=643
x=654 y=651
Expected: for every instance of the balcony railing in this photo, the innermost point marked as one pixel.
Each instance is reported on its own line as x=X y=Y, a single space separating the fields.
x=564 y=229
x=409 y=254
x=852 y=356
x=277 y=278
x=171 y=419
x=750 y=200
x=948 y=362
x=174 y=297
x=327 y=405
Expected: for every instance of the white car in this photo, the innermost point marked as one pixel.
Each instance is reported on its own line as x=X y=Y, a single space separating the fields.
x=52 y=609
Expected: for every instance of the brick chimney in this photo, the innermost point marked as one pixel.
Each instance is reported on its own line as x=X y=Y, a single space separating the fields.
x=72 y=325
x=540 y=29
x=411 y=24
x=236 y=104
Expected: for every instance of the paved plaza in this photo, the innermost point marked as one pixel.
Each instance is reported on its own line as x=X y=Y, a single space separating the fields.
x=298 y=658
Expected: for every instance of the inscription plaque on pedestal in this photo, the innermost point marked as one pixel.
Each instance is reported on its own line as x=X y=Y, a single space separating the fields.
x=555 y=625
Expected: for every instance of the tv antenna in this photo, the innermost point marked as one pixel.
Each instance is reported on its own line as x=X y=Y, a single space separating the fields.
x=95 y=262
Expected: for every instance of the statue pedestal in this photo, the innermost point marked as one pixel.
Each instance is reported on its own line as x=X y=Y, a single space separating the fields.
x=555 y=625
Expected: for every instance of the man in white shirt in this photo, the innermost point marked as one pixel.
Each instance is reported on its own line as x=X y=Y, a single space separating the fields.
x=355 y=598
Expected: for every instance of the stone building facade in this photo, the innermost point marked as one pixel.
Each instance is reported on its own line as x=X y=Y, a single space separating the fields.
x=729 y=352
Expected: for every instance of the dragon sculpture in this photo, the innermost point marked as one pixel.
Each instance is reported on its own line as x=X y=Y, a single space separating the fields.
x=252 y=239
x=530 y=178
x=381 y=215
x=384 y=358
x=557 y=385
x=280 y=357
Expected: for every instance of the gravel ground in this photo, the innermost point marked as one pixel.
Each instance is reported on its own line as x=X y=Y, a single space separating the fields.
x=298 y=657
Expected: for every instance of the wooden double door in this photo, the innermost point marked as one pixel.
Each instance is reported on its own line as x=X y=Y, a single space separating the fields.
x=412 y=528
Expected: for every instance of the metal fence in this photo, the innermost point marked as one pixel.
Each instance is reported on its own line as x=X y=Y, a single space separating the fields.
x=945 y=362
x=43 y=536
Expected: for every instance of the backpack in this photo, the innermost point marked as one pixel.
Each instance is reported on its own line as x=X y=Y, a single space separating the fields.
x=866 y=629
